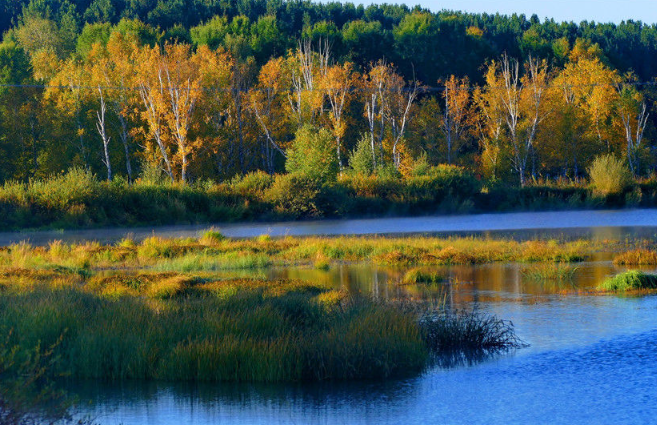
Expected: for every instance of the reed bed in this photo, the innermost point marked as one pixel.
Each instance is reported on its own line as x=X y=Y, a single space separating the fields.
x=211 y=252
x=175 y=326
x=636 y=257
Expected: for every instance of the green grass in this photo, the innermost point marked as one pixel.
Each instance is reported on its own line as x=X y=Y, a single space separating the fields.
x=173 y=326
x=415 y=276
x=555 y=272
x=633 y=280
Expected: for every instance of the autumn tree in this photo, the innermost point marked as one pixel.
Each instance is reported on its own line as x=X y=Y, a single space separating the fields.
x=388 y=101
x=523 y=102
x=268 y=104
x=633 y=113
x=456 y=98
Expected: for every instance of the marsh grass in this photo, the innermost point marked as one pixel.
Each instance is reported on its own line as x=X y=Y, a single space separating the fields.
x=181 y=326
x=415 y=276
x=171 y=326
x=555 y=272
x=633 y=280
x=189 y=254
x=468 y=331
x=637 y=257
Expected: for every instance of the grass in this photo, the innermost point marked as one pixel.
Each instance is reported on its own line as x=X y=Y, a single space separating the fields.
x=558 y=272
x=213 y=253
x=415 y=276
x=637 y=257
x=148 y=324
x=470 y=331
x=633 y=280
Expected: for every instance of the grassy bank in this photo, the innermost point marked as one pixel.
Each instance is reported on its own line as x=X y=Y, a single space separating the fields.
x=78 y=199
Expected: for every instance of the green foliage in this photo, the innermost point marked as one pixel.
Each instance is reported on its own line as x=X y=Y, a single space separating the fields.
x=629 y=281
x=361 y=160
x=255 y=183
x=295 y=194
x=609 y=175
x=312 y=155
x=415 y=276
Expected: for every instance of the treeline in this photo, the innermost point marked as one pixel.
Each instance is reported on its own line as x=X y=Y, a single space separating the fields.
x=191 y=91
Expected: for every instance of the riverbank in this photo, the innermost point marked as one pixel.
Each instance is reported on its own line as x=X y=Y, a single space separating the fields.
x=78 y=200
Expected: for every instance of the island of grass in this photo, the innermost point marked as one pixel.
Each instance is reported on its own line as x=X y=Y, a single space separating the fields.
x=633 y=280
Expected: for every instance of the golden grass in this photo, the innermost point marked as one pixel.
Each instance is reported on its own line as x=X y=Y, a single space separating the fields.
x=637 y=257
x=215 y=253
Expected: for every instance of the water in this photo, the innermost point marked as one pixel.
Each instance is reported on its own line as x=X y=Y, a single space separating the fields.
x=598 y=224
x=591 y=360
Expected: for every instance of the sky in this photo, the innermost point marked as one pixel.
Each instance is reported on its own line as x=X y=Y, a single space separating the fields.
x=561 y=10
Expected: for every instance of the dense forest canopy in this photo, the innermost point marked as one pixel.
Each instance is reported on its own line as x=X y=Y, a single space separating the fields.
x=202 y=89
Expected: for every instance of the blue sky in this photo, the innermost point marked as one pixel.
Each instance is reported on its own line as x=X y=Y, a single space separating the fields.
x=560 y=10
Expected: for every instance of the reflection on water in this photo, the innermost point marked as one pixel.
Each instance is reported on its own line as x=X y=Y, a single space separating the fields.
x=591 y=360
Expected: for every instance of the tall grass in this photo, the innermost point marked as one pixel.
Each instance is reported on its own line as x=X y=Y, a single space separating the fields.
x=172 y=326
x=637 y=257
x=558 y=272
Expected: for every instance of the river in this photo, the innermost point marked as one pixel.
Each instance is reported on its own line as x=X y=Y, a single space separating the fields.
x=595 y=224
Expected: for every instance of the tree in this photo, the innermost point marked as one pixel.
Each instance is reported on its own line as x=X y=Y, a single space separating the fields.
x=338 y=82
x=456 y=98
x=268 y=105
x=633 y=113
x=522 y=100
x=312 y=154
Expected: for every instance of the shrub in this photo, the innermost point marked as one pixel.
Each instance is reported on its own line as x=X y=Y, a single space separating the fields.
x=295 y=195
x=609 y=175
x=312 y=154
x=211 y=237
x=255 y=183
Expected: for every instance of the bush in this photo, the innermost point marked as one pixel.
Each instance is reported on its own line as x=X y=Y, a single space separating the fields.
x=609 y=175
x=313 y=155
x=255 y=183
x=295 y=195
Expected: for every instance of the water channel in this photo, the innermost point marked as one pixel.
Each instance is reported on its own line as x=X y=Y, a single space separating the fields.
x=590 y=359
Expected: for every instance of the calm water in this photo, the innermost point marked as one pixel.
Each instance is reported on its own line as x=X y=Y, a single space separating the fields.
x=598 y=224
x=591 y=360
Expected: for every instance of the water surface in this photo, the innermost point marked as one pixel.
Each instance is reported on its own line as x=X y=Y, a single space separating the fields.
x=597 y=224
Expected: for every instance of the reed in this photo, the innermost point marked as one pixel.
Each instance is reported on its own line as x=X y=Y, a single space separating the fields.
x=173 y=326
x=558 y=272
x=637 y=257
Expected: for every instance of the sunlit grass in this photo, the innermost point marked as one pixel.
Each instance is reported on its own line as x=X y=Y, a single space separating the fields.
x=633 y=280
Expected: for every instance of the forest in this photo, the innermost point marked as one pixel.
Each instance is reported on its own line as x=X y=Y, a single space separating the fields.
x=203 y=92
